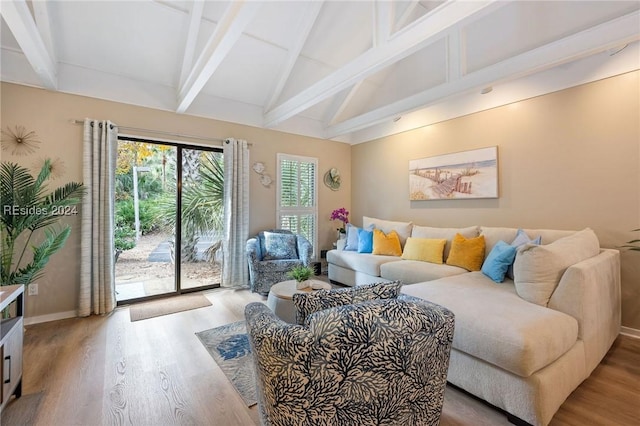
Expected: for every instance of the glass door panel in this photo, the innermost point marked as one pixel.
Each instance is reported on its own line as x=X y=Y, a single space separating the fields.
x=145 y=200
x=201 y=224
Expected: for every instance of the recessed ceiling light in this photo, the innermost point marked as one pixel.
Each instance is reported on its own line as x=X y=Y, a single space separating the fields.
x=486 y=90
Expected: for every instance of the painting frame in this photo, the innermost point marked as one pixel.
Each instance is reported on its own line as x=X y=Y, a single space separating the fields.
x=464 y=175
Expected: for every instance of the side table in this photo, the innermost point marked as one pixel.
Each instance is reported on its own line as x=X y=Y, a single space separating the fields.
x=11 y=338
x=280 y=298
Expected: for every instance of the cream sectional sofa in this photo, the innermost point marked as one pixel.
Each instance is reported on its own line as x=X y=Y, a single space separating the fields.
x=523 y=356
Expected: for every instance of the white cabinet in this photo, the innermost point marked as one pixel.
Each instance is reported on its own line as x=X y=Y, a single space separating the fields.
x=11 y=335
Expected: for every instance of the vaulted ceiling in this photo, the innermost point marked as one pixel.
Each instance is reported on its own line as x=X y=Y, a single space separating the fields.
x=350 y=71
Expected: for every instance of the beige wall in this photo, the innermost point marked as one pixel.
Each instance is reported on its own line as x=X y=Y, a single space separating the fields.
x=567 y=160
x=48 y=114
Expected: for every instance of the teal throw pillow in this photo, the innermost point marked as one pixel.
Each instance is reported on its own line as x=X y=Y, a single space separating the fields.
x=497 y=263
x=365 y=241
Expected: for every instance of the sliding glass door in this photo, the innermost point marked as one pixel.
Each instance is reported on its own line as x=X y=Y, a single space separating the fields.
x=202 y=209
x=168 y=219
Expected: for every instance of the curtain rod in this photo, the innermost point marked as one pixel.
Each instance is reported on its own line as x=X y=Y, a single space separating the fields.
x=160 y=132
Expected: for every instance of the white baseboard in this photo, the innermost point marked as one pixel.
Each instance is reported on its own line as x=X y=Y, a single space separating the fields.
x=631 y=332
x=50 y=317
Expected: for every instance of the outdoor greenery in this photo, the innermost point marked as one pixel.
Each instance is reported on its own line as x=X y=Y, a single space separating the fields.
x=30 y=219
x=151 y=186
x=202 y=200
x=147 y=212
x=202 y=195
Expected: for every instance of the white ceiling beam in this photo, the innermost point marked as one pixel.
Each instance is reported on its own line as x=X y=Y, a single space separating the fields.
x=18 y=17
x=382 y=18
x=43 y=22
x=416 y=36
x=304 y=29
x=408 y=11
x=195 y=18
x=340 y=103
x=235 y=19
x=616 y=32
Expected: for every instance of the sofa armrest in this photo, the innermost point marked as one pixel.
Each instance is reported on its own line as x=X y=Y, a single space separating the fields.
x=589 y=291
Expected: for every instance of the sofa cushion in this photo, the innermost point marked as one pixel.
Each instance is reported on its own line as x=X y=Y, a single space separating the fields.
x=494 y=234
x=446 y=233
x=497 y=326
x=424 y=249
x=467 y=253
x=402 y=228
x=538 y=268
x=386 y=244
x=415 y=271
x=362 y=262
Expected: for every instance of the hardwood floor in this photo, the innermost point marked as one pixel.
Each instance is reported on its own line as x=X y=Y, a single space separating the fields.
x=110 y=371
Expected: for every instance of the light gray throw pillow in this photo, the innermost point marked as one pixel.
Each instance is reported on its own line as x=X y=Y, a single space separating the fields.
x=539 y=268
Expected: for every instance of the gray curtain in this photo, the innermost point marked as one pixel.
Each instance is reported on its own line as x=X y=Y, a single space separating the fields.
x=97 y=269
x=235 y=271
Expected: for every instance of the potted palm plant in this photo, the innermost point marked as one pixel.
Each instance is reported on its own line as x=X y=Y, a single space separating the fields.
x=29 y=221
x=301 y=274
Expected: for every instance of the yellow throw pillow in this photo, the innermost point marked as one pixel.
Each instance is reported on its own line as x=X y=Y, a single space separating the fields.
x=467 y=253
x=386 y=244
x=424 y=249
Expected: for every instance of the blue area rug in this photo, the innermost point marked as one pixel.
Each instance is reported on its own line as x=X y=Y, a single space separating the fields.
x=229 y=347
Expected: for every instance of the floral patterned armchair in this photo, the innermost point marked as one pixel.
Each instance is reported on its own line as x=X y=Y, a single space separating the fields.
x=271 y=255
x=381 y=361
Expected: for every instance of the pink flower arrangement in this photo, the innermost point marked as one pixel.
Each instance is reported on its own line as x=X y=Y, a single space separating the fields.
x=341 y=214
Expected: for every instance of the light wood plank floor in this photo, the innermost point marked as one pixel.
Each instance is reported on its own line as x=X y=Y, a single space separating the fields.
x=110 y=371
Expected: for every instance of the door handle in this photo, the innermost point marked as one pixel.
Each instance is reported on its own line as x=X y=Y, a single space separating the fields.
x=8 y=358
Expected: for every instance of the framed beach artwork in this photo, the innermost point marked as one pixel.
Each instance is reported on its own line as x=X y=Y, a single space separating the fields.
x=460 y=175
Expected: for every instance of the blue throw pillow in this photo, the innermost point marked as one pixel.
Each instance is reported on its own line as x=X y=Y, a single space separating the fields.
x=352 y=236
x=365 y=241
x=500 y=258
x=521 y=239
x=279 y=246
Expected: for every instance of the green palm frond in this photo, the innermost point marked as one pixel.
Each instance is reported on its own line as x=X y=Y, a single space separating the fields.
x=27 y=207
x=15 y=184
x=202 y=200
x=53 y=242
x=633 y=245
x=68 y=194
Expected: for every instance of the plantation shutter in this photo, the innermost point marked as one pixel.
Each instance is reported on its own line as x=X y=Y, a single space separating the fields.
x=297 y=208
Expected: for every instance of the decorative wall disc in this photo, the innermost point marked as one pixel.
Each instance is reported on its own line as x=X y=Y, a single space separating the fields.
x=258 y=167
x=332 y=179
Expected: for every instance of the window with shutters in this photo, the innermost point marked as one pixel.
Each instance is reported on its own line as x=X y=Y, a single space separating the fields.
x=297 y=208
